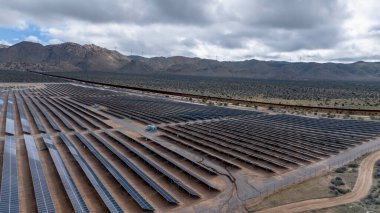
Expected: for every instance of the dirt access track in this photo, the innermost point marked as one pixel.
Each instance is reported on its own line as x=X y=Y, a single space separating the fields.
x=361 y=189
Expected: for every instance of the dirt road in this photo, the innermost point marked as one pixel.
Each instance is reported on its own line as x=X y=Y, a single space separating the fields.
x=360 y=190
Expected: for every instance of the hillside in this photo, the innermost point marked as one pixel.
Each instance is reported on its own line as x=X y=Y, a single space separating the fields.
x=64 y=57
x=74 y=57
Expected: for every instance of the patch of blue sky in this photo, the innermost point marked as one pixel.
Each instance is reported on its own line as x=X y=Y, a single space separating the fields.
x=15 y=35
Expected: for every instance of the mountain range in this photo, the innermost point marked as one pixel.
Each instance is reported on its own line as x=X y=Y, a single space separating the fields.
x=73 y=57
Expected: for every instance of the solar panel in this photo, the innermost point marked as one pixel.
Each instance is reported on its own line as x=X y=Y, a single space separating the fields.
x=36 y=119
x=41 y=190
x=10 y=107
x=163 y=193
x=48 y=117
x=10 y=126
x=1 y=103
x=9 y=123
x=89 y=117
x=24 y=121
x=72 y=191
x=9 y=201
x=124 y=183
x=153 y=164
x=170 y=161
x=98 y=185
x=74 y=118
x=56 y=113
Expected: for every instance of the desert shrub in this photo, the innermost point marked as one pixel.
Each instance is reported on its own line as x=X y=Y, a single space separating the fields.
x=337 y=181
x=341 y=170
x=353 y=165
x=343 y=191
x=377 y=175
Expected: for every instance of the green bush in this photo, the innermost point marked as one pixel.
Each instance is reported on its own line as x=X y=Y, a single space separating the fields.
x=337 y=181
x=353 y=165
x=343 y=191
x=341 y=170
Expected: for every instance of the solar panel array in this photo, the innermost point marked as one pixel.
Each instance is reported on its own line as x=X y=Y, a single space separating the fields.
x=123 y=182
x=133 y=167
x=162 y=171
x=41 y=190
x=154 y=110
x=71 y=189
x=55 y=112
x=150 y=162
x=52 y=123
x=98 y=185
x=9 y=200
x=271 y=142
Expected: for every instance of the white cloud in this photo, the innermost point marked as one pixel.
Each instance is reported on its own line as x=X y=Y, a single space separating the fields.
x=4 y=42
x=54 y=41
x=32 y=38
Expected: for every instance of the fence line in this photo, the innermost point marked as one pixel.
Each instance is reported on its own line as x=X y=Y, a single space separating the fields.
x=306 y=173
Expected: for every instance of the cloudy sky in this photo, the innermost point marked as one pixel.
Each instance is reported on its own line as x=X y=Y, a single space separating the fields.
x=292 y=30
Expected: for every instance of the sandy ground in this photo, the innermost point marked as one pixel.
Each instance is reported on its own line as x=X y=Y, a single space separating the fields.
x=361 y=189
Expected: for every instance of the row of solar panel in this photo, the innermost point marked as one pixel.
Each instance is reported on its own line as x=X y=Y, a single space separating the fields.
x=50 y=120
x=35 y=116
x=122 y=181
x=10 y=125
x=40 y=186
x=92 y=177
x=55 y=113
x=24 y=121
x=9 y=200
x=151 y=163
x=134 y=168
x=67 y=181
x=80 y=116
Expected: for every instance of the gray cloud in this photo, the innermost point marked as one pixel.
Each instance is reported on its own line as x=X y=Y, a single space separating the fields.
x=115 y=11
x=195 y=28
x=287 y=25
x=295 y=14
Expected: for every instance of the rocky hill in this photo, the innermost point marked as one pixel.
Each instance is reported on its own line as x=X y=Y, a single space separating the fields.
x=64 y=57
x=75 y=57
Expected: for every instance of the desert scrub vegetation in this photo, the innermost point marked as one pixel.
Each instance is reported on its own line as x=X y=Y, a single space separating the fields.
x=362 y=95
